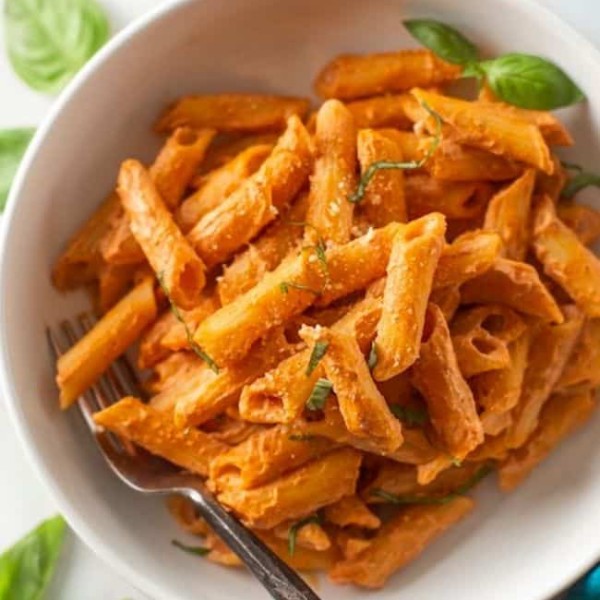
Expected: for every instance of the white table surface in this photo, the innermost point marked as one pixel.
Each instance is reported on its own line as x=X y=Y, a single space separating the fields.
x=23 y=499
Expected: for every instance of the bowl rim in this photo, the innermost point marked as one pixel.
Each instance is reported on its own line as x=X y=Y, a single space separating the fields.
x=86 y=532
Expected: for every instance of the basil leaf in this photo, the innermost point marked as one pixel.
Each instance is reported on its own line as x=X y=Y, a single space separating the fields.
x=409 y=415
x=27 y=567
x=196 y=349
x=293 y=531
x=319 y=394
x=318 y=352
x=48 y=42
x=443 y=40
x=579 y=182
x=530 y=82
x=197 y=550
x=13 y=143
x=459 y=491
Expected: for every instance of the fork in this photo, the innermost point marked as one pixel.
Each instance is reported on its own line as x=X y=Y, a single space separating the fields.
x=152 y=475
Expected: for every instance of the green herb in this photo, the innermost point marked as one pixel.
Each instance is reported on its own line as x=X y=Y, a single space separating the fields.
x=197 y=550
x=580 y=181
x=293 y=532
x=319 y=394
x=27 y=567
x=410 y=415
x=318 y=352
x=443 y=40
x=459 y=491
x=13 y=143
x=301 y=437
x=188 y=334
x=285 y=286
x=530 y=82
x=372 y=360
x=48 y=42
x=320 y=247
x=520 y=79
x=385 y=165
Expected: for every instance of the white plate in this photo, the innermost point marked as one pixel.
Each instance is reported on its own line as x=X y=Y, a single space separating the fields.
x=525 y=546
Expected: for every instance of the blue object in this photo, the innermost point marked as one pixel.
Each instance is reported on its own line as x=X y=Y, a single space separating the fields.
x=587 y=588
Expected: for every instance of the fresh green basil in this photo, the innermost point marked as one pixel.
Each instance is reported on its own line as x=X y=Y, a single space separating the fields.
x=459 y=491
x=319 y=394
x=578 y=182
x=13 y=143
x=444 y=40
x=318 y=352
x=530 y=82
x=195 y=550
x=523 y=80
x=27 y=567
x=48 y=42
x=410 y=415
x=293 y=531
x=196 y=349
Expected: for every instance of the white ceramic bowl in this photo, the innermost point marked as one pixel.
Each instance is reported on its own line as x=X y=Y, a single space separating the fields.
x=525 y=546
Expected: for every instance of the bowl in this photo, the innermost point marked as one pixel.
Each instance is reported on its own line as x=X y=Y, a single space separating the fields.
x=527 y=545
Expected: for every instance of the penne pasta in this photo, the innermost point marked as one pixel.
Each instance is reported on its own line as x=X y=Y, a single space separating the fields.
x=245 y=212
x=206 y=394
x=298 y=493
x=81 y=260
x=179 y=270
x=497 y=392
x=565 y=259
x=449 y=399
x=363 y=408
x=550 y=349
x=86 y=361
x=583 y=366
x=241 y=113
x=351 y=511
x=381 y=111
x=558 y=419
x=279 y=240
x=508 y=215
x=113 y=283
x=413 y=261
x=582 y=219
x=333 y=179
x=352 y=76
x=155 y=432
x=228 y=334
x=383 y=201
x=504 y=134
x=398 y=542
x=280 y=396
x=220 y=183
x=469 y=256
x=481 y=336
x=513 y=284
x=263 y=457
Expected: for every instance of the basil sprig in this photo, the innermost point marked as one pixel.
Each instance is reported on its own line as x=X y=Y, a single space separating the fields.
x=579 y=181
x=27 y=567
x=48 y=42
x=412 y=416
x=13 y=143
x=319 y=394
x=523 y=80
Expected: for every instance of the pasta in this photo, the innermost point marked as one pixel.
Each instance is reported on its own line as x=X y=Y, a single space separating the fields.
x=344 y=315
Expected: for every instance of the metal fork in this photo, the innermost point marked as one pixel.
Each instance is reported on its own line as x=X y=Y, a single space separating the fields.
x=152 y=475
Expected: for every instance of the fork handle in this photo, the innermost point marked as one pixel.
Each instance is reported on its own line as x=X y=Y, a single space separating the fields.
x=280 y=580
